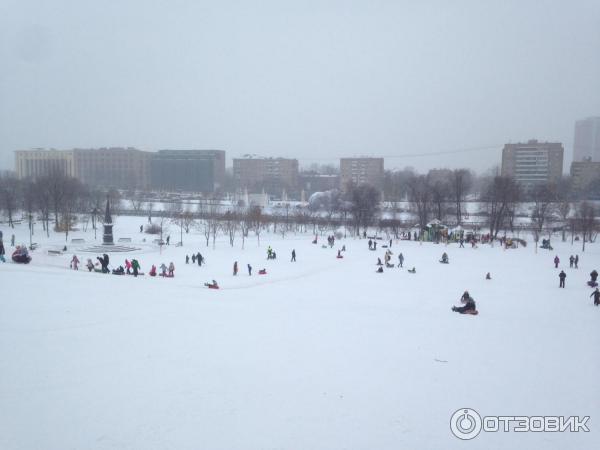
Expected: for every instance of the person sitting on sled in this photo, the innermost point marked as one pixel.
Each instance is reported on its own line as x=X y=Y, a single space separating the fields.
x=380 y=269
x=212 y=285
x=413 y=270
x=152 y=272
x=468 y=307
x=444 y=259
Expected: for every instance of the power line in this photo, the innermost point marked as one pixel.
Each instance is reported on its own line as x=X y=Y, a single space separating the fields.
x=414 y=155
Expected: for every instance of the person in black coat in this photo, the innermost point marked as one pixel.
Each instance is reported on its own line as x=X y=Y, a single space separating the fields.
x=594 y=275
x=596 y=295
x=468 y=304
x=562 y=275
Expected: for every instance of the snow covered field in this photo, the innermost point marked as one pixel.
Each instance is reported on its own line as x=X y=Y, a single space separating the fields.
x=318 y=354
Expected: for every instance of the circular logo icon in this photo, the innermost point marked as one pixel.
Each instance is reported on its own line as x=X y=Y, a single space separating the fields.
x=465 y=423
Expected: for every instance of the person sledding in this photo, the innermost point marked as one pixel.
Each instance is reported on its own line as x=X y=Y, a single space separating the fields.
x=488 y=276
x=212 y=285
x=262 y=272
x=339 y=255
x=468 y=307
x=119 y=271
x=593 y=278
x=444 y=259
x=21 y=255
x=596 y=295
x=379 y=269
x=413 y=270
x=152 y=272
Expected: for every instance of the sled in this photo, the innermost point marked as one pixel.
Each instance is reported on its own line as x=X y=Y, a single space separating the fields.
x=21 y=259
x=472 y=312
x=445 y=262
x=262 y=272
x=166 y=275
x=412 y=271
x=211 y=286
x=339 y=257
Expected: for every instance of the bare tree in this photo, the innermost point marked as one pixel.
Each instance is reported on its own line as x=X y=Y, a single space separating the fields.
x=461 y=181
x=365 y=203
x=231 y=223
x=10 y=196
x=500 y=193
x=544 y=197
x=586 y=218
x=419 y=196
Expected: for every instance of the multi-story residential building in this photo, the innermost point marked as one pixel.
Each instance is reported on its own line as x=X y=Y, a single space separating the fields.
x=584 y=172
x=361 y=171
x=586 y=144
x=271 y=174
x=184 y=170
x=115 y=167
x=533 y=163
x=128 y=168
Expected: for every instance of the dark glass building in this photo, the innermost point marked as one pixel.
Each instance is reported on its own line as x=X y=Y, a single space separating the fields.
x=183 y=170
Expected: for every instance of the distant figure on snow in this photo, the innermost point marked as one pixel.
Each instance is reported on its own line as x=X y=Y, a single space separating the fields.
x=596 y=295
x=235 y=268
x=469 y=306
x=576 y=261
x=294 y=255
x=249 y=270
x=400 y=260
x=74 y=263
x=562 y=275
x=488 y=276
x=556 y=261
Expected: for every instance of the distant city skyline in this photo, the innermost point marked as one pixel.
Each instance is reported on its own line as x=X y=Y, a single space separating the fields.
x=418 y=83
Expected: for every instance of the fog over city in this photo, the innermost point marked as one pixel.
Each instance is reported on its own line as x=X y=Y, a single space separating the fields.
x=423 y=84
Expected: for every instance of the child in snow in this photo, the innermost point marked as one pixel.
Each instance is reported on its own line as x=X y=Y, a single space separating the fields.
x=488 y=276
x=75 y=262
x=596 y=295
x=556 y=261
x=469 y=305
x=444 y=259
x=171 y=269
x=90 y=265
x=400 y=260
x=163 y=270
x=128 y=266
x=135 y=265
x=380 y=269
x=152 y=272
x=235 y=268
x=413 y=270
x=249 y=270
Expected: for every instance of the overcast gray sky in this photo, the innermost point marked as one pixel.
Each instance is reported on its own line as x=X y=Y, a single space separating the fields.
x=314 y=80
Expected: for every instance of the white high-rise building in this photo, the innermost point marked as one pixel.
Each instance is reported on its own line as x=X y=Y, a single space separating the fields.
x=586 y=144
